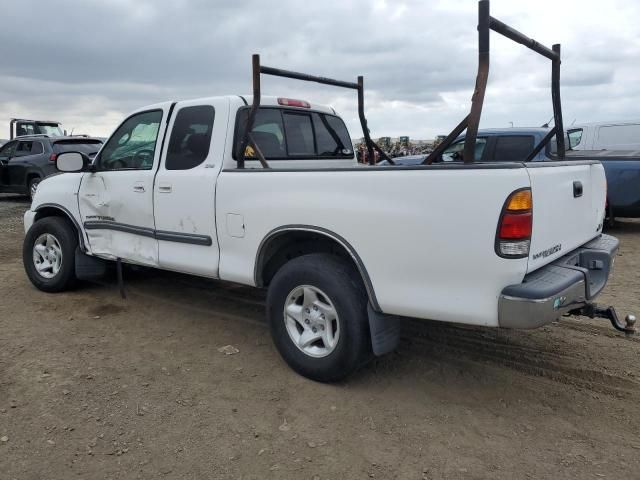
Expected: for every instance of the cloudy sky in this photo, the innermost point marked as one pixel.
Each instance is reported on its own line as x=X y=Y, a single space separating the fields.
x=87 y=63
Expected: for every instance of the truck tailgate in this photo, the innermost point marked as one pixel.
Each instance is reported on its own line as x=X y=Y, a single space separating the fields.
x=568 y=207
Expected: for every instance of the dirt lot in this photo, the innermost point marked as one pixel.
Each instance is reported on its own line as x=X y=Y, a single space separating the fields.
x=93 y=386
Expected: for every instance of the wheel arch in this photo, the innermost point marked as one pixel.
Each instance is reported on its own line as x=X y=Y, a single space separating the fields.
x=289 y=241
x=54 y=210
x=33 y=174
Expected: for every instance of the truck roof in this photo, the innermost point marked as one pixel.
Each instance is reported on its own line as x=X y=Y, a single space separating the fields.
x=513 y=130
x=265 y=101
x=596 y=124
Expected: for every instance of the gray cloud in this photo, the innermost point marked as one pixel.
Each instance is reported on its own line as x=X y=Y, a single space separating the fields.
x=88 y=64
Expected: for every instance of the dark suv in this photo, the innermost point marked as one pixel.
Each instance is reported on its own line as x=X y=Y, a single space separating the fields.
x=25 y=161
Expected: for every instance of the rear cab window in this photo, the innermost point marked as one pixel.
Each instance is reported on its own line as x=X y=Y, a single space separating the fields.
x=86 y=146
x=291 y=134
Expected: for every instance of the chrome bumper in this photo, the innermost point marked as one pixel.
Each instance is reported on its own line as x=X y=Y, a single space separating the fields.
x=567 y=284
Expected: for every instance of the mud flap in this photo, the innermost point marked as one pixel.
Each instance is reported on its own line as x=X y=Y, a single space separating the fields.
x=385 y=331
x=90 y=268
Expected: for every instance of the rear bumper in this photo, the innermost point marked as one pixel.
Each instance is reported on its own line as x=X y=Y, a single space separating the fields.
x=553 y=290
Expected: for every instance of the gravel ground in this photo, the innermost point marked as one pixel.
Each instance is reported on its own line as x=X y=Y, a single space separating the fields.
x=96 y=387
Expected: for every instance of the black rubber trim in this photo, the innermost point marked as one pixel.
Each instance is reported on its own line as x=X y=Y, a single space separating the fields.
x=328 y=233
x=166 y=236
x=119 y=227
x=546 y=282
x=459 y=166
x=179 y=237
x=244 y=100
x=560 y=163
x=64 y=210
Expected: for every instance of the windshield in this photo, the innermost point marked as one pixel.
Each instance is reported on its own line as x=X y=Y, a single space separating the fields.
x=51 y=129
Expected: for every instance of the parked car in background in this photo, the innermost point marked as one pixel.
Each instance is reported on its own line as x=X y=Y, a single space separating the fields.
x=26 y=161
x=492 y=145
x=20 y=127
x=3 y=141
x=406 y=160
x=621 y=135
x=622 y=167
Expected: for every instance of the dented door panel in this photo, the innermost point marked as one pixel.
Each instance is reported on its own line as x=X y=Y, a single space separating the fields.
x=116 y=201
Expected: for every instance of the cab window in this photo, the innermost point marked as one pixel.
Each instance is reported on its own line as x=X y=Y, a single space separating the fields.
x=133 y=145
x=455 y=152
x=8 y=150
x=299 y=132
x=332 y=136
x=295 y=134
x=575 y=137
x=190 y=137
x=513 y=148
x=24 y=148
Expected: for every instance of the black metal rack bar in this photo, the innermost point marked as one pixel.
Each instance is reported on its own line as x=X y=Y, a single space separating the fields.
x=439 y=150
x=538 y=148
x=486 y=23
x=258 y=69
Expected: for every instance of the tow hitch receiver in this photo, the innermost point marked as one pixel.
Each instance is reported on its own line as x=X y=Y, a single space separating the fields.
x=592 y=310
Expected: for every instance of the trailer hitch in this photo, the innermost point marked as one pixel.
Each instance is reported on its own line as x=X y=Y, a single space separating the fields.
x=592 y=310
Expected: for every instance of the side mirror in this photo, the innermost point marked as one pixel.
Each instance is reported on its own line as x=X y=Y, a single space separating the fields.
x=72 y=162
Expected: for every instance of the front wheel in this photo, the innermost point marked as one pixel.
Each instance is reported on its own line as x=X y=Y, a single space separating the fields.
x=48 y=254
x=317 y=308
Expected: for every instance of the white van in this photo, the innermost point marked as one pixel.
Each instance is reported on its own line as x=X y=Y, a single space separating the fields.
x=624 y=135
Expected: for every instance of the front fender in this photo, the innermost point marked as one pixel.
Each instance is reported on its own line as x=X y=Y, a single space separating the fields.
x=58 y=195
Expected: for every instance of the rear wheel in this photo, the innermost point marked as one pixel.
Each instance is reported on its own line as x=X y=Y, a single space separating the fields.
x=317 y=308
x=48 y=254
x=33 y=186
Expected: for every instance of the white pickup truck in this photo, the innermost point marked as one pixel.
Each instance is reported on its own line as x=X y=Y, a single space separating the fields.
x=344 y=250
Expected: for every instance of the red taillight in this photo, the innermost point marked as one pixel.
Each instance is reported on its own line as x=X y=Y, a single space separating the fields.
x=516 y=226
x=53 y=157
x=290 y=102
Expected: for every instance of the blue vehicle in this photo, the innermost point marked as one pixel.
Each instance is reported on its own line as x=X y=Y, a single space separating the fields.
x=622 y=168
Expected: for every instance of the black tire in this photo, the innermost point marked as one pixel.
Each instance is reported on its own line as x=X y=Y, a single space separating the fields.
x=67 y=238
x=611 y=219
x=33 y=186
x=340 y=282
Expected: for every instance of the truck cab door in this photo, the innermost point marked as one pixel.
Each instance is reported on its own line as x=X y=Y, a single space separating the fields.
x=6 y=153
x=20 y=162
x=116 y=201
x=185 y=186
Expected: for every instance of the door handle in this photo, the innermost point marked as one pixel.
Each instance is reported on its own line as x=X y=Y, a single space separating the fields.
x=577 y=189
x=138 y=187
x=164 y=188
